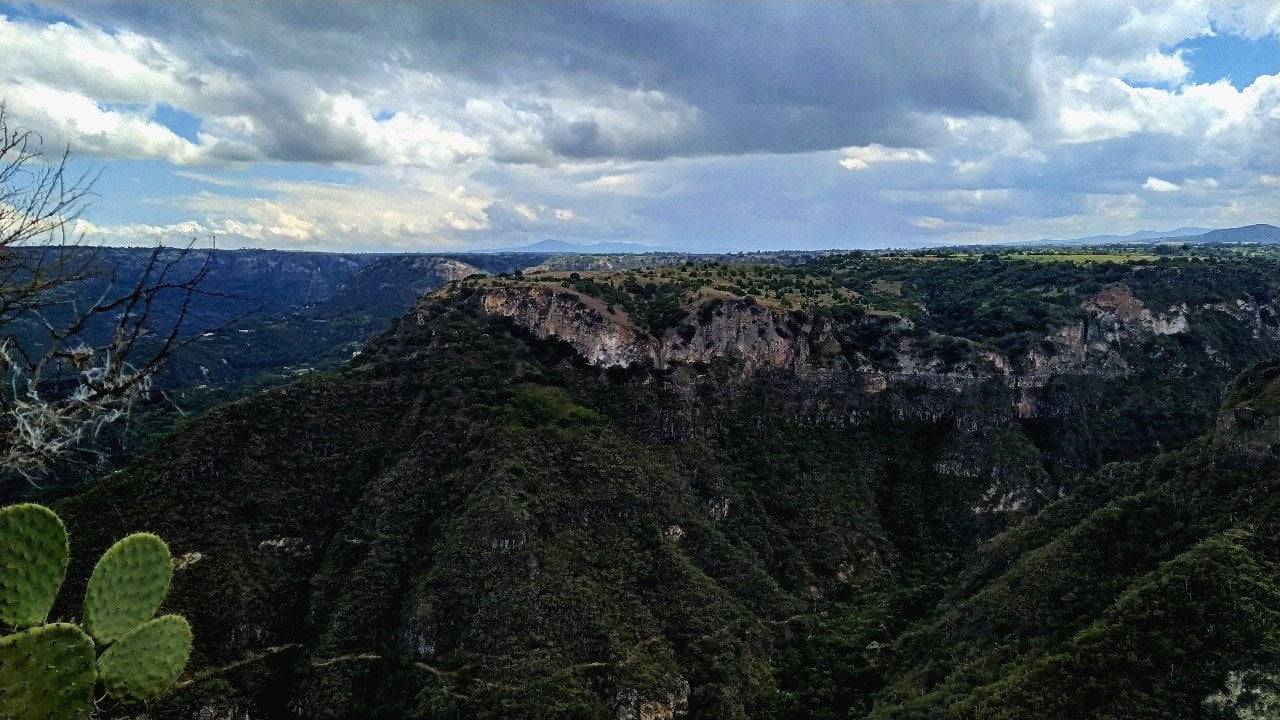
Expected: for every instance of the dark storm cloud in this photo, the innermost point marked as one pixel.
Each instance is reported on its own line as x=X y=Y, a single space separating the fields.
x=784 y=77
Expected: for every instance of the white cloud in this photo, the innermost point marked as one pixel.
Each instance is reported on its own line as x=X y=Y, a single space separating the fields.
x=1098 y=55
x=959 y=196
x=1085 y=125
x=439 y=156
x=136 y=233
x=1210 y=123
x=405 y=138
x=97 y=91
x=207 y=179
x=525 y=211
x=1154 y=67
x=119 y=68
x=1109 y=29
x=930 y=223
x=89 y=128
x=987 y=141
x=1114 y=208
x=551 y=122
x=616 y=184
x=82 y=84
x=415 y=212
x=540 y=215
x=863 y=157
x=403 y=216
x=1207 y=184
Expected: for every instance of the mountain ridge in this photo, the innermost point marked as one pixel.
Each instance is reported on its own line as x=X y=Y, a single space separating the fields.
x=1258 y=232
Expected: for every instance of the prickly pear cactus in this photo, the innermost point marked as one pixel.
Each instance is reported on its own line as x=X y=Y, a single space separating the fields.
x=46 y=673
x=127 y=586
x=33 y=561
x=145 y=664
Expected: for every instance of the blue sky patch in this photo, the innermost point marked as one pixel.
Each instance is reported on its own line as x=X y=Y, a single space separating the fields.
x=1236 y=58
x=35 y=13
x=182 y=123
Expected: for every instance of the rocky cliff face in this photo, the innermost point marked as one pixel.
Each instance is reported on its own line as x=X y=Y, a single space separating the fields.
x=758 y=338
x=1112 y=324
x=984 y=401
x=548 y=313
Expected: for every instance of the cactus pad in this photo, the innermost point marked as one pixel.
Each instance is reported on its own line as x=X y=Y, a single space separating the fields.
x=127 y=586
x=46 y=673
x=146 y=663
x=33 y=561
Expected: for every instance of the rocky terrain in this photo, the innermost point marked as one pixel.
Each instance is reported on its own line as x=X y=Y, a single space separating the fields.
x=542 y=497
x=1108 y=346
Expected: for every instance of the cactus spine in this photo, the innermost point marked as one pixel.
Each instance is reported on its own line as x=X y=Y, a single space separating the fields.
x=48 y=671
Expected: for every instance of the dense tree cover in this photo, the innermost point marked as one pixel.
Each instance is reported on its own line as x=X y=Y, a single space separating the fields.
x=467 y=522
x=262 y=318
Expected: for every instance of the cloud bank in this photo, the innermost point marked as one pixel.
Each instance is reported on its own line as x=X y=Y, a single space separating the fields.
x=706 y=126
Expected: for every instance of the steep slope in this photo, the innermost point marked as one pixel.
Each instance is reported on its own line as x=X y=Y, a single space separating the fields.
x=518 y=503
x=1134 y=599
x=459 y=544
x=264 y=318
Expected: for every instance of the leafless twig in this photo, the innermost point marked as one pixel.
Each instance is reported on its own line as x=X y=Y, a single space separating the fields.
x=71 y=367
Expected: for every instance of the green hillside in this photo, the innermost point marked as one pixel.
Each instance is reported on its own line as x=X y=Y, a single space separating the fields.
x=471 y=522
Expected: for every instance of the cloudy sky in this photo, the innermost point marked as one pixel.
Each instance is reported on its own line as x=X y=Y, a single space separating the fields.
x=690 y=125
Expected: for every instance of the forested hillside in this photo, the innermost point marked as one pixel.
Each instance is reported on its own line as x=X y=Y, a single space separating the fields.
x=618 y=360
x=258 y=318
x=891 y=487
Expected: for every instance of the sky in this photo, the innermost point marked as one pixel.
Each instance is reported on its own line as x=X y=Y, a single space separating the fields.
x=702 y=126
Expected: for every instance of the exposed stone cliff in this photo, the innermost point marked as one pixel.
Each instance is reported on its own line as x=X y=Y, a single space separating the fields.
x=757 y=338
x=984 y=402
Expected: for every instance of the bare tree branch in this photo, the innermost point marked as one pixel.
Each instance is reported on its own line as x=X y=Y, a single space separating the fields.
x=71 y=365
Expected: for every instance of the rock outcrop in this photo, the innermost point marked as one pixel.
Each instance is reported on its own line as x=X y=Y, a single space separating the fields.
x=1250 y=416
x=759 y=339
x=984 y=401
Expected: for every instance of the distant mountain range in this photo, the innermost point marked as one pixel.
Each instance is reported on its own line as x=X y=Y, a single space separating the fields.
x=560 y=246
x=1260 y=233
x=1139 y=236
